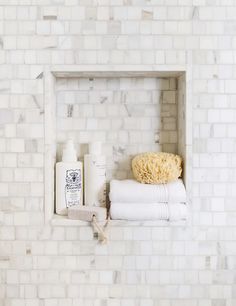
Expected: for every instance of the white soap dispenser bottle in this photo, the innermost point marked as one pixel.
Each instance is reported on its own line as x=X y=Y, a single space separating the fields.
x=69 y=180
x=95 y=176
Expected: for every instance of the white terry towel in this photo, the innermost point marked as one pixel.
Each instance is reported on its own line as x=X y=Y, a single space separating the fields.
x=131 y=191
x=140 y=212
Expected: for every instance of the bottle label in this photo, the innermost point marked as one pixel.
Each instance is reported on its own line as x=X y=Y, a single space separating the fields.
x=73 y=187
x=95 y=180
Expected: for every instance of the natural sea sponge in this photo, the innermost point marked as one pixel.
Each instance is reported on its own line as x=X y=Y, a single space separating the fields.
x=156 y=168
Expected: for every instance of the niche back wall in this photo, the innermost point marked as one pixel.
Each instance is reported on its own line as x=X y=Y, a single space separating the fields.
x=129 y=115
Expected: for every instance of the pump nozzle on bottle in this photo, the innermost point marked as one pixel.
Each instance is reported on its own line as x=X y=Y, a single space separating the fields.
x=69 y=153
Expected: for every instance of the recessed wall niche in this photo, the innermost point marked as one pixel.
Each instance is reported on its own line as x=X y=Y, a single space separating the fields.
x=129 y=112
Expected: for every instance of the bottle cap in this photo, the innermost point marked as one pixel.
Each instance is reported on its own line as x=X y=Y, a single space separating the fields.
x=95 y=148
x=69 y=153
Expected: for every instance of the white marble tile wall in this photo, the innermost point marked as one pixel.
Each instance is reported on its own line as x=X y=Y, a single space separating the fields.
x=128 y=115
x=48 y=265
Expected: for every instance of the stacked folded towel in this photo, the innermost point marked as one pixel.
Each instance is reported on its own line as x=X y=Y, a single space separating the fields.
x=131 y=200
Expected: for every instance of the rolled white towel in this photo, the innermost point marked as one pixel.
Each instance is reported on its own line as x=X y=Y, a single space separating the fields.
x=140 y=212
x=131 y=191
